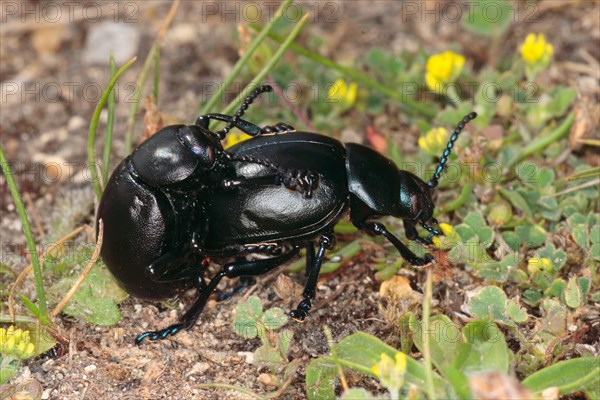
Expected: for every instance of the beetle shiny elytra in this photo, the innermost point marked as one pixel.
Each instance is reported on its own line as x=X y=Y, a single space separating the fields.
x=272 y=194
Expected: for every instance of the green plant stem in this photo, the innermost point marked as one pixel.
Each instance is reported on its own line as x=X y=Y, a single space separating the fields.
x=37 y=269
x=94 y=125
x=331 y=344
x=156 y=75
x=408 y=104
x=19 y=319
x=541 y=142
x=269 y=66
x=458 y=202
x=109 y=123
x=430 y=388
x=135 y=105
x=237 y=68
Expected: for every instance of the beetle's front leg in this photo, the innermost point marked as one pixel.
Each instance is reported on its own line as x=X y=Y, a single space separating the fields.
x=376 y=228
x=412 y=234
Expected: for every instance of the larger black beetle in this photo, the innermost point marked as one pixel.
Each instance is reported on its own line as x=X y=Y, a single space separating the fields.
x=150 y=204
x=278 y=222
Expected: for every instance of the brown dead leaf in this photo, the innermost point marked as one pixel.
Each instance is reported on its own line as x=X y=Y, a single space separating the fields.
x=582 y=125
x=152 y=119
x=494 y=135
x=496 y=385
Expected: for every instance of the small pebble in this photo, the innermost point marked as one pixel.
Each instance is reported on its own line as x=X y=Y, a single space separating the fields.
x=122 y=39
x=90 y=368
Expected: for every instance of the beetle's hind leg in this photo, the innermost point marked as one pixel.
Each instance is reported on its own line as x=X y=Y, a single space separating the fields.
x=313 y=268
x=231 y=270
x=245 y=282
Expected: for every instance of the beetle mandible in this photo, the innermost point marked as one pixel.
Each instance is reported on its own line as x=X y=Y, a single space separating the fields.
x=277 y=222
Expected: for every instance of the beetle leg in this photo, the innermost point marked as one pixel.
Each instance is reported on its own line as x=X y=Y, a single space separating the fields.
x=280 y=127
x=304 y=182
x=411 y=233
x=244 y=282
x=310 y=257
x=301 y=312
x=175 y=266
x=376 y=228
x=231 y=270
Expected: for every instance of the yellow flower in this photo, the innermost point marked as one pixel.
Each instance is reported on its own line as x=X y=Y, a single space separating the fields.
x=535 y=50
x=443 y=68
x=434 y=141
x=15 y=343
x=391 y=372
x=450 y=234
x=539 y=264
x=235 y=138
x=341 y=92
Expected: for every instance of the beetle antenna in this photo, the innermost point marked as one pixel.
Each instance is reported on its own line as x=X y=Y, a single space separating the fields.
x=245 y=104
x=435 y=179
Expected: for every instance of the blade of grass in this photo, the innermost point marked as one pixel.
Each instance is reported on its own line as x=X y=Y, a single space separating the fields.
x=458 y=202
x=150 y=59
x=268 y=67
x=109 y=123
x=541 y=142
x=19 y=319
x=37 y=270
x=156 y=75
x=62 y=304
x=237 y=68
x=23 y=274
x=94 y=126
x=575 y=188
x=429 y=387
x=408 y=104
x=588 y=173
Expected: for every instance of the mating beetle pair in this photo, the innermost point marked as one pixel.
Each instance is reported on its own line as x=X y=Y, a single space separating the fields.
x=180 y=198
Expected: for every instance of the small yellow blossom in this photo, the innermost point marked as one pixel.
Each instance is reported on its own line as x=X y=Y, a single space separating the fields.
x=539 y=264
x=15 y=343
x=235 y=138
x=442 y=69
x=434 y=141
x=452 y=237
x=341 y=92
x=391 y=372
x=535 y=49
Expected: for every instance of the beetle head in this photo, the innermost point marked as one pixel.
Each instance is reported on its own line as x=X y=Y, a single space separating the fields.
x=415 y=198
x=204 y=144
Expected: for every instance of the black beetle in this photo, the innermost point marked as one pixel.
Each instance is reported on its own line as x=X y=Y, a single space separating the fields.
x=150 y=204
x=277 y=222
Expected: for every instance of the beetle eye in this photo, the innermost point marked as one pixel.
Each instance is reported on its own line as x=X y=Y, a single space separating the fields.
x=210 y=152
x=415 y=205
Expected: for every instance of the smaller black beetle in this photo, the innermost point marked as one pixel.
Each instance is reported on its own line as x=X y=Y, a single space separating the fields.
x=278 y=222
